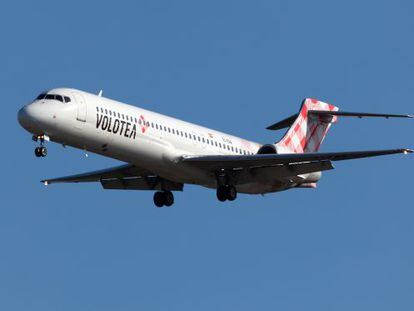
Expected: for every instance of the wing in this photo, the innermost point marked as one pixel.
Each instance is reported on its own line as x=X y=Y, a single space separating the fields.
x=219 y=162
x=127 y=177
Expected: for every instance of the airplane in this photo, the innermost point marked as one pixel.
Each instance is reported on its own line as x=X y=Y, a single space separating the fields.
x=162 y=153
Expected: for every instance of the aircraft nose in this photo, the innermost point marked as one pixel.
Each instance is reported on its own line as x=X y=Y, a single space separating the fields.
x=23 y=117
x=28 y=118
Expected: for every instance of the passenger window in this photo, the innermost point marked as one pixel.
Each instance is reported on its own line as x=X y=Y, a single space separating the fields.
x=101 y=110
x=106 y=111
x=119 y=115
x=97 y=109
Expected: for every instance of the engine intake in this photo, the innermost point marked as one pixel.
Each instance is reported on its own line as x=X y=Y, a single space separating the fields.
x=267 y=149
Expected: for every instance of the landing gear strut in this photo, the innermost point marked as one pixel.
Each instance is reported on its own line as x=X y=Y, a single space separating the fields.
x=163 y=198
x=40 y=151
x=226 y=193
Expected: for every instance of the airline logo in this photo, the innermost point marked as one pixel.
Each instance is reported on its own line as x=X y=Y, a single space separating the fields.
x=143 y=124
x=116 y=126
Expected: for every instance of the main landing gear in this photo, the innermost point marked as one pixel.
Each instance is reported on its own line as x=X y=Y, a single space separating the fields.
x=40 y=151
x=163 y=198
x=226 y=193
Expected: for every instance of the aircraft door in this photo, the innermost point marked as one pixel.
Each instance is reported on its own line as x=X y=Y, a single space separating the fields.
x=82 y=108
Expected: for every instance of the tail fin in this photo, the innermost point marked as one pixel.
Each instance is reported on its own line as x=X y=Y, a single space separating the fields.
x=308 y=128
x=307 y=131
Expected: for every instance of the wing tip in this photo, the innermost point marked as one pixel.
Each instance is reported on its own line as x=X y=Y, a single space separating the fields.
x=407 y=151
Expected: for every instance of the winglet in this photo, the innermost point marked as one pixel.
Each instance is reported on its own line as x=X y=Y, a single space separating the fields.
x=100 y=93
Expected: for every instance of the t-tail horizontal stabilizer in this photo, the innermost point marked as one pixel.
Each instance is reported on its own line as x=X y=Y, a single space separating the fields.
x=326 y=114
x=357 y=114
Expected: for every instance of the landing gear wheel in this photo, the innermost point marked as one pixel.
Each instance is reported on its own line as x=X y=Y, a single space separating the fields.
x=163 y=198
x=43 y=151
x=159 y=199
x=226 y=193
x=231 y=193
x=168 y=198
x=37 y=152
x=222 y=193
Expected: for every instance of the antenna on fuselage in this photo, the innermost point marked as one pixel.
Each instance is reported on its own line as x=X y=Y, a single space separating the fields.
x=100 y=93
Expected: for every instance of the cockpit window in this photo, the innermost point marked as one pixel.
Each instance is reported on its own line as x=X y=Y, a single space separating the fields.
x=63 y=99
x=51 y=96
x=41 y=96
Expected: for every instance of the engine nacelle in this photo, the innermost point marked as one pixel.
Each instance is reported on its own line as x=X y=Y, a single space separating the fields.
x=267 y=149
x=312 y=177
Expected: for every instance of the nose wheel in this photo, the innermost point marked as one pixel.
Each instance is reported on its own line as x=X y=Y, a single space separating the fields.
x=163 y=198
x=41 y=151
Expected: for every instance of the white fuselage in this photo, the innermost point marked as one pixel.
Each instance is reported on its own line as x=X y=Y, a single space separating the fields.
x=134 y=135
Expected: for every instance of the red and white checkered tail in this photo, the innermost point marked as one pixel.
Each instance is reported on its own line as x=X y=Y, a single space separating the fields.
x=308 y=130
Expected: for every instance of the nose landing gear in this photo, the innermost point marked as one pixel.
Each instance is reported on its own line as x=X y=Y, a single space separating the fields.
x=40 y=151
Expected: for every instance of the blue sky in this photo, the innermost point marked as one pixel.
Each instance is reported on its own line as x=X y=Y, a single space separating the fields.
x=236 y=66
